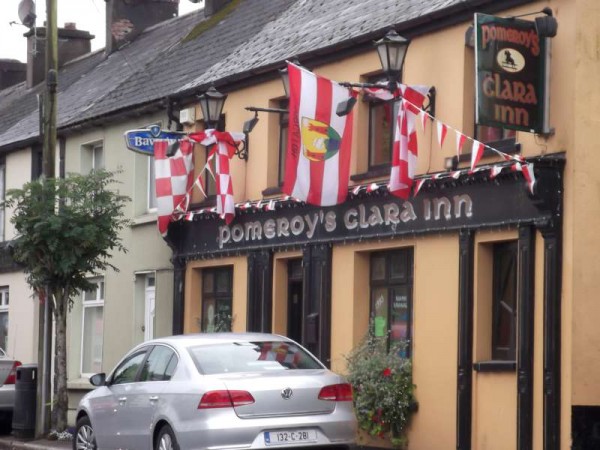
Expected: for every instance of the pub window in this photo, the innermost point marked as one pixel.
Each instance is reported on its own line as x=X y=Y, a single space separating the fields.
x=381 y=129
x=210 y=187
x=504 y=301
x=283 y=138
x=391 y=281
x=217 y=299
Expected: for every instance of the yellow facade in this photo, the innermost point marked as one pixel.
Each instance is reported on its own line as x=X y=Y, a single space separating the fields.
x=441 y=59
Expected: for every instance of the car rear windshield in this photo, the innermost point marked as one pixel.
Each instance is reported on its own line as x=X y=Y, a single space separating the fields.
x=236 y=357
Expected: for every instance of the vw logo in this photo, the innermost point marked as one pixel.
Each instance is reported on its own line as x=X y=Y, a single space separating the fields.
x=287 y=393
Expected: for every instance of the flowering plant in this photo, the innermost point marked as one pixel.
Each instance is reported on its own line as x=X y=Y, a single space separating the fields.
x=383 y=389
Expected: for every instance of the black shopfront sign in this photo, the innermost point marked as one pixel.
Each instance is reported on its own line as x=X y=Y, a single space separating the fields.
x=510 y=61
x=480 y=204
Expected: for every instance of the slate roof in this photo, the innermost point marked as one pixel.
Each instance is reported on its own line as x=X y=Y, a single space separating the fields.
x=256 y=37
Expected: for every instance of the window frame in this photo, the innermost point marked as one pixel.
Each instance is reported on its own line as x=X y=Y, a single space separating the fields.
x=215 y=296
x=376 y=103
x=393 y=284
x=501 y=250
x=88 y=304
x=2 y=199
x=151 y=200
x=4 y=309
x=284 y=121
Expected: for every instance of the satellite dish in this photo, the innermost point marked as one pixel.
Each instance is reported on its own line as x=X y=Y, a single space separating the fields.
x=27 y=13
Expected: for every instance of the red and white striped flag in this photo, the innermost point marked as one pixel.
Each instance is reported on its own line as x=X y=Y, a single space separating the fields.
x=174 y=179
x=224 y=145
x=460 y=141
x=476 y=153
x=442 y=131
x=418 y=185
x=405 y=149
x=317 y=168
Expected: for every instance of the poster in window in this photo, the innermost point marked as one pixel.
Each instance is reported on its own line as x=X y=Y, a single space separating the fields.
x=379 y=310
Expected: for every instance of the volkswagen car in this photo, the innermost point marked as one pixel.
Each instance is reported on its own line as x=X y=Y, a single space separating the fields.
x=217 y=391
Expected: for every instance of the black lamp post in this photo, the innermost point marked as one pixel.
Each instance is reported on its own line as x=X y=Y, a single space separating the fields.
x=392 y=51
x=211 y=103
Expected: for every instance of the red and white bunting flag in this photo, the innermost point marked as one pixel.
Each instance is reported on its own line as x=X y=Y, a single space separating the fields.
x=270 y=206
x=476 y=153
x=460 y=141
x=527 y=171
x=418 y=185
x=405 y=149
x=456 y=174
x=189 y=216
x=372 y=187
x=356 y=190
x=442 y=131
x=317 y=168
x=174 y=179
x=495 y=171
x=423 y=116
x=224 y=146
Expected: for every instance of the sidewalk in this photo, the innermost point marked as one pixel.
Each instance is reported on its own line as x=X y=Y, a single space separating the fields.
x=12 y=443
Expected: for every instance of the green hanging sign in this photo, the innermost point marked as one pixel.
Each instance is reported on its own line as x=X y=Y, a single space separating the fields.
x=511 y=72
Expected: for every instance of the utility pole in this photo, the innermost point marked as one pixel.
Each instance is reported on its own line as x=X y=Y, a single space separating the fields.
x=48 y=156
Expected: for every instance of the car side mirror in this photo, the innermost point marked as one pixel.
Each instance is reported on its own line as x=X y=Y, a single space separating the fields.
x=98 y=380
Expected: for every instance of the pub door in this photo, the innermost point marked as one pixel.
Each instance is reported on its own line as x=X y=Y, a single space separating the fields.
x=295 y=300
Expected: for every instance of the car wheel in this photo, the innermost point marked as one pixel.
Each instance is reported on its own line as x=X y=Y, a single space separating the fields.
x=84 y=435
x=166 y=439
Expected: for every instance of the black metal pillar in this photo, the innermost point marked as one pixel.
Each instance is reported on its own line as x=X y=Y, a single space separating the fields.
x=552 y=339
x=178 y=294
x=260 y=287
x=465 y=340
x=316 y=308
x=525 y=327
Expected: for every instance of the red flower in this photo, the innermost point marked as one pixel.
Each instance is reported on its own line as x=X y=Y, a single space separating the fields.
x=387 y=372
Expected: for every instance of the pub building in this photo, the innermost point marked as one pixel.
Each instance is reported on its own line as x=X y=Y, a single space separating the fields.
x=470 y=270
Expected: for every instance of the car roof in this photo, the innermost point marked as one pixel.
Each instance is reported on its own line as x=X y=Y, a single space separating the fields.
x=188 y=340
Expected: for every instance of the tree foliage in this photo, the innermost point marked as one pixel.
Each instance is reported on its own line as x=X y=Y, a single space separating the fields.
x=67 y=229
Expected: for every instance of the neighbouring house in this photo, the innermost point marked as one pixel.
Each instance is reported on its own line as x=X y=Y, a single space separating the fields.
x=487 y=271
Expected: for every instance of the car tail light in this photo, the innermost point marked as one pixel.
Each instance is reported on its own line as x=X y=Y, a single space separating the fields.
x=336 y=393
x=12 y=376
x=225 y=399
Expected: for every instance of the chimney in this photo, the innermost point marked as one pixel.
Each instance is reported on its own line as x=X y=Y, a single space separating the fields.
x=11 y=72
x=213 y=6
x=72 y=43
x=126 y=19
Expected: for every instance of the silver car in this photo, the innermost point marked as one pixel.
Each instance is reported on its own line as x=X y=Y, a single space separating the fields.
x=8 y=377
x=217 y=391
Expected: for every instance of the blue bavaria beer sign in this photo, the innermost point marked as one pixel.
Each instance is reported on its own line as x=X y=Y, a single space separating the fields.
x=142 y=141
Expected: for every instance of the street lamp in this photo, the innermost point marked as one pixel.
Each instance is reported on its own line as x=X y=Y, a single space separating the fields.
x=211 y=103
x=392 y=51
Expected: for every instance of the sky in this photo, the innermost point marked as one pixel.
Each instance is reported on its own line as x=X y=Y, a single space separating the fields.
x=89 y=15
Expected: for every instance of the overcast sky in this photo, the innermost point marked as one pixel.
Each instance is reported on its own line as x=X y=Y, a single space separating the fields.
x=89 y=15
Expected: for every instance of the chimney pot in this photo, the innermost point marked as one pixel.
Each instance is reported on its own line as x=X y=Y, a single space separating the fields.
x=70 y=26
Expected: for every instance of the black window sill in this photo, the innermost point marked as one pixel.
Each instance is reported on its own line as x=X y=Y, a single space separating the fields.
x=375 y=172
x=495 y=366
x=273 y=190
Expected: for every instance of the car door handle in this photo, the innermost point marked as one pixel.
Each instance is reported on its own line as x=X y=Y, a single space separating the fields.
x=153 y=398
x=122 y=400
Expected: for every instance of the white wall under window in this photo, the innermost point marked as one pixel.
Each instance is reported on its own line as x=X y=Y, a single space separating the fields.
x=92 y=329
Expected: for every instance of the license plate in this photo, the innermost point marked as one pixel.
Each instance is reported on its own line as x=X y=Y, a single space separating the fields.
x=289 y=437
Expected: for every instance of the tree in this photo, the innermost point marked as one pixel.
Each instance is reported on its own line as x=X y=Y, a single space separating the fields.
x=66 y=229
